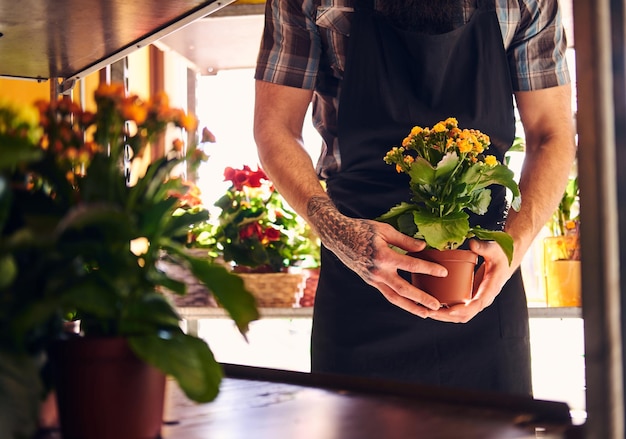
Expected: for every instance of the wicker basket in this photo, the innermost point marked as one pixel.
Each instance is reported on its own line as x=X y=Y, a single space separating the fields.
x=274 y=290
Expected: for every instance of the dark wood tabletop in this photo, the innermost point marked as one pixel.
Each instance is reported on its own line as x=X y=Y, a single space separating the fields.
x=264 y=403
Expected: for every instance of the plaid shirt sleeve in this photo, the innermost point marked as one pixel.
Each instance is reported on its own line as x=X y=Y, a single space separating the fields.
x=536 y=44
x=290 y=46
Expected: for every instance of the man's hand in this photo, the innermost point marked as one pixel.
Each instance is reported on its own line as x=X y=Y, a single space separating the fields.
x=489 y=280
x=364 y=247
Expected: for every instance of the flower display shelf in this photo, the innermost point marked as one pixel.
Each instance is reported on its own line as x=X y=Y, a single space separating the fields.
x=192 y=314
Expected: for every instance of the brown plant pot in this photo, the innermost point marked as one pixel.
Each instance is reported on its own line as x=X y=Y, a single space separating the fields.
x=457 y=286
x=105 y=392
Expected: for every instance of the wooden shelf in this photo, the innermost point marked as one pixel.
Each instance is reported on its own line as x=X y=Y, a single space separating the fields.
x=68 y=40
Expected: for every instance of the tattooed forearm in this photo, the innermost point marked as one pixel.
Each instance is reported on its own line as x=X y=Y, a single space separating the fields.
x=352 y=240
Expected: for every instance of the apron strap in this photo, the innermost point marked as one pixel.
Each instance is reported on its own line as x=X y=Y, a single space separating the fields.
x=364 y=5
x=486 y=5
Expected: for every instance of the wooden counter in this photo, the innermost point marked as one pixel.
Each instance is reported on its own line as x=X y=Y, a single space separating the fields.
x=274 y=404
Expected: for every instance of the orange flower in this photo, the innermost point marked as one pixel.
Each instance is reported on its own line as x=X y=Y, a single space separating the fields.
x=177 y=145
x=133 y=109
x=187 y=121
x=110 y=90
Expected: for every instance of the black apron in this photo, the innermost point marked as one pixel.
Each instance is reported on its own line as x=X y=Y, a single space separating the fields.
x=395 y=79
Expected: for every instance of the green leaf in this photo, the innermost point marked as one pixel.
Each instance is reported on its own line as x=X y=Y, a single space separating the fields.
x=91 y=297
x=480 y=203
x=422 y=172
x=101 y=221
x=16 y=150
x=478 y=177
x=186 y=220
x=226 y=287
x=406 y=224
x=396 y=211
x=20 y=393
x=229 y=290
x=442 y=232
x=188 y=359
x=146 y=315
x=173 y=285
x=401 y=218
x=503 y=239
x=6 y=197
x=446 y=166
x=152 y=220
x=8 y=270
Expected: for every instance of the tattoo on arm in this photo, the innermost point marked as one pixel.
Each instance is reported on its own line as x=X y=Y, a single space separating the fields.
x=352 y=240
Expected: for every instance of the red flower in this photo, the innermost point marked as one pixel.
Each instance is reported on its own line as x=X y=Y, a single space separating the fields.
x=272 y=234
x=244 y=177
x=229 y=173
x=254 y=178
x=251 y=230
x=240 y=179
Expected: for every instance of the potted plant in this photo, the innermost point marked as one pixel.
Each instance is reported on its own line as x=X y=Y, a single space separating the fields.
x=450 y=176
x=261 y=237
x=79 y=243
x=561 y=259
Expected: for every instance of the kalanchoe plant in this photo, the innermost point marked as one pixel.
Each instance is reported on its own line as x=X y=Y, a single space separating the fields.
x=450 y=176
x=77 y=241
x=256 y=230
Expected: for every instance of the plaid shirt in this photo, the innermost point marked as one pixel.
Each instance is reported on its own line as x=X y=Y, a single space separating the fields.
x=304 y=46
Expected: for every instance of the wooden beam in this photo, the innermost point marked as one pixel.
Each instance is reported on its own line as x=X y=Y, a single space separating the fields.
x=599 y=224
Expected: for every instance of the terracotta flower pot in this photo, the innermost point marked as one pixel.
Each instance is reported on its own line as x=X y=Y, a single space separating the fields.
x=105 y=392
x=457 y=286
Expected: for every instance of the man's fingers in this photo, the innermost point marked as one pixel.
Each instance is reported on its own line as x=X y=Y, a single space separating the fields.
x=402 y=302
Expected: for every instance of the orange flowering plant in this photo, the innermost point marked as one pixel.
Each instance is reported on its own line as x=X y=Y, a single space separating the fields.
x=256 y=230
x=450 y=176
x=79 y=241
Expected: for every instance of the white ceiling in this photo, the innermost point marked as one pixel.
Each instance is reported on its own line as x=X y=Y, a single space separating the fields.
x=220 y=41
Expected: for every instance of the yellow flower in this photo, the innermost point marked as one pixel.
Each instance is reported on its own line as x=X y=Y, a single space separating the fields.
x=491 y=160
x=451 y=122
x=408 y=160
x=478 y=148
x=464 y=145
x=439 y=128
x=406 y=141
x=416 y=130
